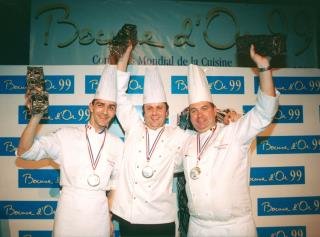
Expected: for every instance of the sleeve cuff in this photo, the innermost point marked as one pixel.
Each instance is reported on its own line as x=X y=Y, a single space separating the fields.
x=31 y=153
x=267 y=105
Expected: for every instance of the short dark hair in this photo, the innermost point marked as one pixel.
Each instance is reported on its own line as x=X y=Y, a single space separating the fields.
x=212 y=104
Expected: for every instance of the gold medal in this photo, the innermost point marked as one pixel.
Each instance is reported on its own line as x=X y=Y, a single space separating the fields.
x=195 y=173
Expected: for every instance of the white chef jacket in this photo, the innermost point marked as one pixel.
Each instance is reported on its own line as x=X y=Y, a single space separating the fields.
x=82 y=210
x=141 y=200
x=219 y=200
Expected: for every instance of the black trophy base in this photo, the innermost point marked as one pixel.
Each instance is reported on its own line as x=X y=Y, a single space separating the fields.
x=273 y=46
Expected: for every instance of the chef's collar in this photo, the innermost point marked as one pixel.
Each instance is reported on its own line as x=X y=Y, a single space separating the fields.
x=154 y=131
x=206 y=135
x=91 y=129
x=208 y=132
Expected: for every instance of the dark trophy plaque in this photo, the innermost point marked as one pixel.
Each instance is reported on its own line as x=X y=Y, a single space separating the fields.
x=120 y=42
x=184 y=120
x=36 y=87
x=265 y=45
x=221 y=115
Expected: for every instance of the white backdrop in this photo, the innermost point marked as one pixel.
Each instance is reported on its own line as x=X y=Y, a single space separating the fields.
x=285 y=170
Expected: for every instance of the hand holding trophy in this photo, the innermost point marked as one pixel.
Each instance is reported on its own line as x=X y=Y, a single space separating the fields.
x=265 y=45
x=37 y=96
x=119 y=44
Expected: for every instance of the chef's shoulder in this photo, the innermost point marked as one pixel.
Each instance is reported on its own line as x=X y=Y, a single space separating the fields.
x=69 y=132
x=179 y=136
x=115 y=139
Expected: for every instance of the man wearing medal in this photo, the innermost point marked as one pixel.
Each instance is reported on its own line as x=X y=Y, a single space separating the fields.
x=88 y=157
x=144 y=203
x=215 y=160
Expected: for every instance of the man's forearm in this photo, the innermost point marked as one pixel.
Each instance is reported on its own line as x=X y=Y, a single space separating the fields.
x=28 y=135
x=266 y=83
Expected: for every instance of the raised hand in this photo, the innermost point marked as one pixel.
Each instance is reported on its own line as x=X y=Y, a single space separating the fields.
x=124 y=59
x=261 y=61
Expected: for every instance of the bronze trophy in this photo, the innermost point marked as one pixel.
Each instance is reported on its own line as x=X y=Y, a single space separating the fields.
x=36 y=89
x=119 y=43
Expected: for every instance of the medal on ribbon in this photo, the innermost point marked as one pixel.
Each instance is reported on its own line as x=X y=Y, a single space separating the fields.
x=94 y=179
x=196 y=171
x=148 y=171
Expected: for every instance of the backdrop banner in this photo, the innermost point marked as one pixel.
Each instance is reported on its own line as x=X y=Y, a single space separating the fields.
x=284 y=177
x=169 y=32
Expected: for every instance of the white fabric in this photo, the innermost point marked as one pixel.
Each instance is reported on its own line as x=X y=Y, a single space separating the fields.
x=107 y=86
x=242 y=227
x=204 y=136
x=219 y=201
x=153 y=134
x=198 y=87
x=82 y=210
x=142 y=200
x=153 y=91
x=96 y=141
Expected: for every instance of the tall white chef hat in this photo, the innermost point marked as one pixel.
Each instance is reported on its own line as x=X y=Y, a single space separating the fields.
x=198 y=86
x=153 y=91
x=107 y=86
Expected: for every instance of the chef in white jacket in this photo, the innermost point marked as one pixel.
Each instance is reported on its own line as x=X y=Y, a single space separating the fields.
x=144 y=202
x=88 y=156
x=216 y=159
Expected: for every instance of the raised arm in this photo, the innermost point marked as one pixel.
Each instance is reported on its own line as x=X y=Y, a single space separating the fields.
x=265 y=74
x=124 y=59
x=126 y=112
x=29 y=133
x=261 y=115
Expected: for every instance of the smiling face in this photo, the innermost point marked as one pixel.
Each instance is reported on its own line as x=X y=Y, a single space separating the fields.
x=102 y=112
x=155 y=114
x=202 y=116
